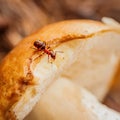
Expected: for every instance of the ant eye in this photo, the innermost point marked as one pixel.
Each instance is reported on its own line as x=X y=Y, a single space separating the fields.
x=35 y=43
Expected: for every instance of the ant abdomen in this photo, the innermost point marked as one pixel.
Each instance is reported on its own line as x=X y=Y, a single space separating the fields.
x=53 y=55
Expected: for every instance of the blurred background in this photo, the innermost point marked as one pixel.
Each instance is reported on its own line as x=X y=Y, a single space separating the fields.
x=19 y=18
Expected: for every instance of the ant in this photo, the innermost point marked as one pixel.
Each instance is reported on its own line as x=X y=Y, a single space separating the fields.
x=41 y=46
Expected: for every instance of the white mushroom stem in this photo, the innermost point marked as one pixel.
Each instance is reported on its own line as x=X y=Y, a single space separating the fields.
x=66 y=101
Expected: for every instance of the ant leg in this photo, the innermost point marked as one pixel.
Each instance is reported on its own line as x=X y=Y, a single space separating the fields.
x=59 y=51
x=48 y=47
x=48 y=58
x=36 y=50
x=38 y=56
x=33 y=48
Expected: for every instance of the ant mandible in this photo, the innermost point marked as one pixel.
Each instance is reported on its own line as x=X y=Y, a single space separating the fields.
x=41 y=46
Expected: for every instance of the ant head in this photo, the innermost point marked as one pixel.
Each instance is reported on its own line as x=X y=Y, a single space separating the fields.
x=39 y=44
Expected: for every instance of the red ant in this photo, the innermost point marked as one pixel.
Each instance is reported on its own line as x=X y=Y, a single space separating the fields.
x=41 y=46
